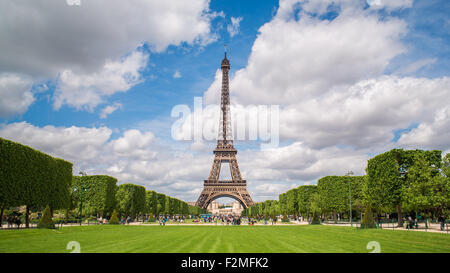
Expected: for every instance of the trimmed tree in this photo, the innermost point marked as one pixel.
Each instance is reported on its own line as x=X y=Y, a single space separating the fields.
x=282 y=202
x=304 y=198
x=99 y=194
x=114 y=220
x=387 y=175
x=333 y=191
x=291 y=202
x=315 y=208
x=130 y=200
x=421 y=192
x=46 y=220
x=161 y=203
x=150 y=202
x=32 y=178
x=368 y=221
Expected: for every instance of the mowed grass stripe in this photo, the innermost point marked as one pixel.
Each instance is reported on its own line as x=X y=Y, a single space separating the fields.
x=220 y=239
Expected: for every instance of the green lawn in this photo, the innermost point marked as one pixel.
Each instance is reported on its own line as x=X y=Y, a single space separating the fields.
x=230 y=239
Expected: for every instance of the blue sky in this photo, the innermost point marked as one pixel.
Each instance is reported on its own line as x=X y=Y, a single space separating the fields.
x=397 y=49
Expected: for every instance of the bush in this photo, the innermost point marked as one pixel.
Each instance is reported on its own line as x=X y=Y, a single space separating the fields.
x=285 y=218
x=151 y=218
x=114 y=219
x=368 y=221
x=46 y=220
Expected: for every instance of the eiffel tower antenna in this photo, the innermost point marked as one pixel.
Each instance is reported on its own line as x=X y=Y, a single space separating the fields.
x=225 y=152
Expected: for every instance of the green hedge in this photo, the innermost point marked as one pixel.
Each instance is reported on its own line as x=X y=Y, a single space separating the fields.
x=304 y=198
x=387 y=175
x=161 y=203
x=98 y=195
x=151 y=205
x=130 y=199
x=30 y=177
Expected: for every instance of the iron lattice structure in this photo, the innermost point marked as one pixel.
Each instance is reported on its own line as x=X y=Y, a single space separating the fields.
x=225 y=152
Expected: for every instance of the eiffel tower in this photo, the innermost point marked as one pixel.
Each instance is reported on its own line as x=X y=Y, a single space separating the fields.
x=225 y=152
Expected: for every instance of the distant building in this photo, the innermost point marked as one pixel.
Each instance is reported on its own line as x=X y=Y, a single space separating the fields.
x=217 y=208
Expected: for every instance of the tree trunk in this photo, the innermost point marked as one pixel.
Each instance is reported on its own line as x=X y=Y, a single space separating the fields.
x=335 y=217
x=27 y=217
x=399 y=216
x=1 y=216
x=67 y=215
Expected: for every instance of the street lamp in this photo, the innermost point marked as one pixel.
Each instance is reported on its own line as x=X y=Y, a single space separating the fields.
x=350 y=196
x=81 y=193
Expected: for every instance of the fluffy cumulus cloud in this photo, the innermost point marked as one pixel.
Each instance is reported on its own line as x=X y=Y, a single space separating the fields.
x=134 y=144
x=366 y=114
x=86 y=90
x=78 y=144
x=433 y=134
x=293 y=60
x=84 y=44
x=81 y=38
x=390 y=4
x=15 y=94
x=328 y=77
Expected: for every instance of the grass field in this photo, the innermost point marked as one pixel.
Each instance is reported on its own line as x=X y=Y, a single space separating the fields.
x=221 y=239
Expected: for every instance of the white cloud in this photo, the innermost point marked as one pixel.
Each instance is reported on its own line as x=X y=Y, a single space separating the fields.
x=309 y=56
x=233 y=28
x=433 y=134
x=110 y=109
x=15 y=94
x=366 y=114
x=299 y=163
x=176 y=75
x=86 y=91
x=134 y=144
x=80 y=44
x=328 y=77
x=390 y=4
x=78 y=144
x=46 y=37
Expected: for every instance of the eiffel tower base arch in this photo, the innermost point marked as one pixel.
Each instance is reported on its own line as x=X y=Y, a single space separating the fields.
x=220 y=189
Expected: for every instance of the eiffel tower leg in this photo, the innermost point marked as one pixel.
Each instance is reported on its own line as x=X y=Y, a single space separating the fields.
x=234 y=169
x=215 y=169
x=202 y=198
x=246 y=197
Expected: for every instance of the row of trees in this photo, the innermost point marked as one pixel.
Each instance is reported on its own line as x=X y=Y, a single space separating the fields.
x=101 y=196
x=398 y=181
x=33 y=179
